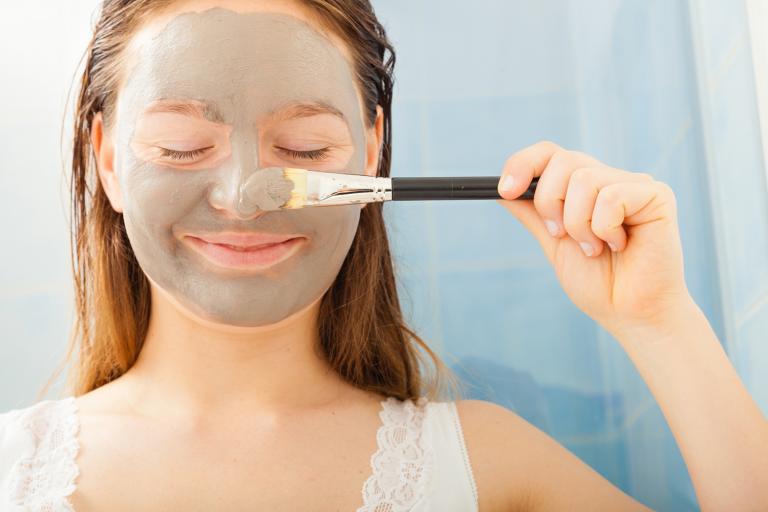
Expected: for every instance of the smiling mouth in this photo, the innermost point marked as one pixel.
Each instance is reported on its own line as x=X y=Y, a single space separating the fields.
x=245 y=251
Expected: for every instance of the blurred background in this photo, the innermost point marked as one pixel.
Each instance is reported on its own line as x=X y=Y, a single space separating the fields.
x=676 y=88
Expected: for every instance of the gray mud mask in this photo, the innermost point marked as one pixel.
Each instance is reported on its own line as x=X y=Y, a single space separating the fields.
x=246 y=65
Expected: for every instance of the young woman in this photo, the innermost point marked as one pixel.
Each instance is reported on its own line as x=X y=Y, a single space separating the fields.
x=231 y=358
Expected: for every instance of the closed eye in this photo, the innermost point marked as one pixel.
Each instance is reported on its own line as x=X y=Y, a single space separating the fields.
x=315 y=154
x=184 y=155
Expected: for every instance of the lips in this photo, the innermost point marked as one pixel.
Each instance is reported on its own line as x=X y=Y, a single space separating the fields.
x=245 y=251
x=244 y=240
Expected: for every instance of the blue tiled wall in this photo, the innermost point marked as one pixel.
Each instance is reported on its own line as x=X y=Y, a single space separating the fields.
x=619 y=79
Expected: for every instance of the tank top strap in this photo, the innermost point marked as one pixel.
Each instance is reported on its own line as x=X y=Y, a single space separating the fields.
x=453 y=485
x=421 y=463
x=401 y=467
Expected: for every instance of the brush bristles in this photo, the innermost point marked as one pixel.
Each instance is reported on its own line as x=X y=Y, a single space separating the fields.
x=299 y=193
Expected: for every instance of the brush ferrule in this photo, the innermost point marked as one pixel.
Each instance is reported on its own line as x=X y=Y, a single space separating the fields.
x=330 y=189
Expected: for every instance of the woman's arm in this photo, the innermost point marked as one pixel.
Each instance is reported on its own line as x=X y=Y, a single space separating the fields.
x=613 y=240
x=519 y=468
x=721 y=432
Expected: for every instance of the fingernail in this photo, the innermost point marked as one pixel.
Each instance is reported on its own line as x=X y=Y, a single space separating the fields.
x=508 y=182
x=552 y=227
x=612 y=246
x=587 y=248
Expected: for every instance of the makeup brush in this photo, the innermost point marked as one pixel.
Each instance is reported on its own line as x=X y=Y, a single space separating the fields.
x=319 y=188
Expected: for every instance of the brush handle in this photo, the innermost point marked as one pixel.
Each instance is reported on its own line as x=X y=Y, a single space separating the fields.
x=474 y=187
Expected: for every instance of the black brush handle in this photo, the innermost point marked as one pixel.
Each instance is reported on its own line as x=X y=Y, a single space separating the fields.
x=473 y=187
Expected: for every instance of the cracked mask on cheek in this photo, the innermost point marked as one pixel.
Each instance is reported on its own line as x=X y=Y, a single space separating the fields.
x=242 y=67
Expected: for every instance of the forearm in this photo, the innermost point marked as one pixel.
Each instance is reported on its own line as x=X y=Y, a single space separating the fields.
x=721 y=432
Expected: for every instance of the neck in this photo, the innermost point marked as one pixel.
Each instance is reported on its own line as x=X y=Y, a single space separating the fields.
x=188 y=367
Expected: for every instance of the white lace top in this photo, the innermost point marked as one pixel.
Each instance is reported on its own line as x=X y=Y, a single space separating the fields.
x=421 y=463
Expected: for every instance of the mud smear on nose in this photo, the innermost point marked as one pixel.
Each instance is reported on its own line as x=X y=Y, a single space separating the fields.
x=267 y=189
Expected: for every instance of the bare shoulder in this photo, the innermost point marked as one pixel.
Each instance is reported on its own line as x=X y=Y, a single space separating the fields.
x=519 y=467
x=495 y=437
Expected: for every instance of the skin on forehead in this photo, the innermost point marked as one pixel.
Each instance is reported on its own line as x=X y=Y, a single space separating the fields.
x=241 y=67
x=296 y=9
x=159 y=21
x=244 y=66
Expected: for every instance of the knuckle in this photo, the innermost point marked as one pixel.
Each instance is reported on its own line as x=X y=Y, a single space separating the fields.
x=548 y=145
x=609 y=196
x=668 y=193
x=544 y=202
x=539 y=201
x=580 y=156
x=582 y=176
x=644 y=176
x=560 y=158
x=665 y=189
x=510 y=162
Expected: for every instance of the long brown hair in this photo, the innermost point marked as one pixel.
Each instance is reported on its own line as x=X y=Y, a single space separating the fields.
x=362 y=331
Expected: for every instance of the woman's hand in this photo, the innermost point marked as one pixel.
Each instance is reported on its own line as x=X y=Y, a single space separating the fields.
x=638 y=293
x=611 y=235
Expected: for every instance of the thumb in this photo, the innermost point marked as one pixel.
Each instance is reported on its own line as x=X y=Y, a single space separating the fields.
x=526 y=213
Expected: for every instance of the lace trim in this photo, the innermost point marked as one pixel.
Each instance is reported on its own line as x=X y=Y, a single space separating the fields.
x=45 y=480
x=403 y=463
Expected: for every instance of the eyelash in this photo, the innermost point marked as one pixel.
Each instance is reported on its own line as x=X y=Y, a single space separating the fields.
x=183 y=155
x=315 y=154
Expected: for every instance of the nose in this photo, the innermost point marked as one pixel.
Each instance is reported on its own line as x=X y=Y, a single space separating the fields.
x=228 y=193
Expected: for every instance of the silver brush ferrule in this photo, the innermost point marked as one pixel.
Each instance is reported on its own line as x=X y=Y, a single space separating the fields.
x=332 y=189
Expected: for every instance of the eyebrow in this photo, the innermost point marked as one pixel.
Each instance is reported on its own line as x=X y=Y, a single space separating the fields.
x=306 y=109
x=197 y=109
x=206 y=110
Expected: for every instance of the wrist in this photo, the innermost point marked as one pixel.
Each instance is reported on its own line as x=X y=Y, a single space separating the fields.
x=675 y=320
x=683 y=342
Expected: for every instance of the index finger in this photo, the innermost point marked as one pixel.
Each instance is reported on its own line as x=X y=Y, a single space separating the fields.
x=520 y=169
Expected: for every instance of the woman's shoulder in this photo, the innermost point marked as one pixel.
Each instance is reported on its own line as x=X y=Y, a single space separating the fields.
x=477 y=445
x=490 y=430
x=501 y=447
x=473 y=414
x=520 y=467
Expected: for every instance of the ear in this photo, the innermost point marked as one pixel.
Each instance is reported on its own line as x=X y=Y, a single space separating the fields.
x=104 y=152
x=374 y=138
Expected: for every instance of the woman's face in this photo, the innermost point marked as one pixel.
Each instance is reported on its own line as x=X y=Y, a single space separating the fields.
x=210 y=99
